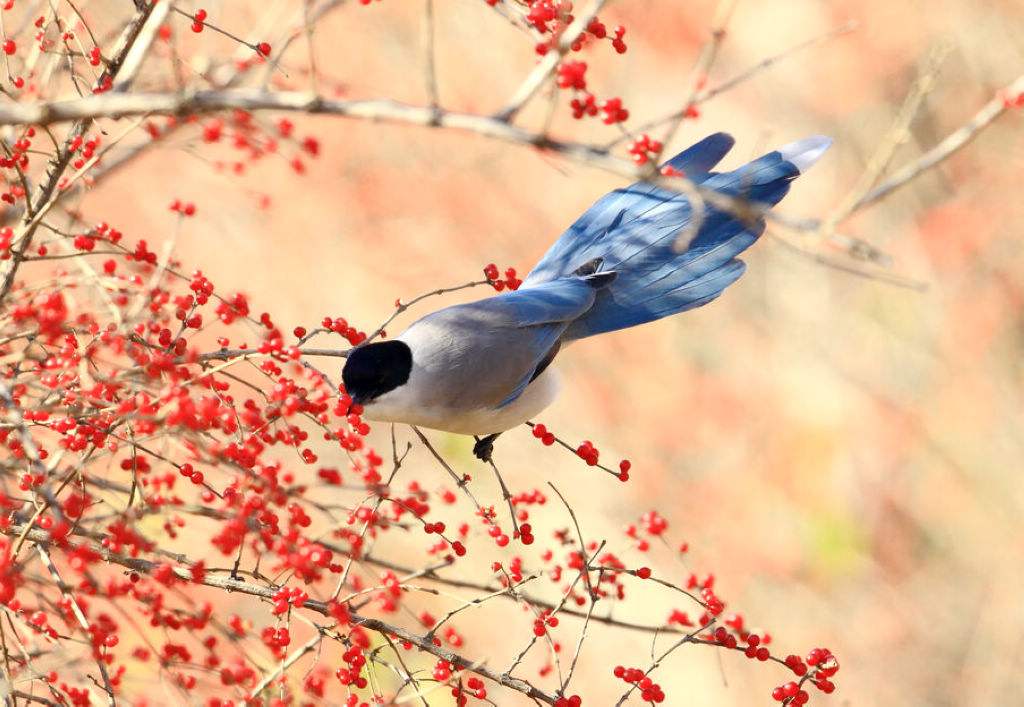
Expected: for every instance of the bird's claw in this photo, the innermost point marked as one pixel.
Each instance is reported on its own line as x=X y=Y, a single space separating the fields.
x=484 y=448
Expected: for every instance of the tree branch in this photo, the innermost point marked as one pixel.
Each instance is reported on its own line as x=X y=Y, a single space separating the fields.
x=42 y=539
x=62 y=159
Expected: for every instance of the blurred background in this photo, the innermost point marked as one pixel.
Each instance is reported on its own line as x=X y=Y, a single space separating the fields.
x=843 y=453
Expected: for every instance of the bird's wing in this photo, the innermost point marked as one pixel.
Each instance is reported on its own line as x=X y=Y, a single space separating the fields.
x=635 y=232
x=484 y=354
x=617 y=211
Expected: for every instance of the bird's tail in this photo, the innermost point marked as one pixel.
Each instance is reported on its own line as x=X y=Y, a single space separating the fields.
x=634 y=231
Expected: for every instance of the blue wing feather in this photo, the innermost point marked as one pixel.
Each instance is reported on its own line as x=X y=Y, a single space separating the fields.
x=541 y=313
x=634 y=231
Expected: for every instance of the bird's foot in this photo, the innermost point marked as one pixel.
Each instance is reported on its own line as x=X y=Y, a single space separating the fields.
x=484 y=447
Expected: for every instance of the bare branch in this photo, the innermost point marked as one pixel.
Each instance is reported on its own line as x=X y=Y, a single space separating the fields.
x=723 y=12
x=894 y=138
x=953 y=143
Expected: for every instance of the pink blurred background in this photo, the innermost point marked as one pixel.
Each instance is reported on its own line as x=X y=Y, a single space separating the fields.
x=844 y=454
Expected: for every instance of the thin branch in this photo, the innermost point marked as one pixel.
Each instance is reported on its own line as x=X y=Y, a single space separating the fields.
x=307 y=647
x=62 y=159
x=430 y=60
x=583 y=635
x=546 y=66
x=79 y=616
x=953 y=143
x=708 y=93
x=896 y=136
x=401 y=306
x=507 y=495
x=460 y=481
x=688 y=638
x=708 y=54
x=143 y=566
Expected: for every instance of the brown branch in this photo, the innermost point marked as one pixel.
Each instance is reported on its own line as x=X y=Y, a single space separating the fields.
x=62 y=159
x=547 y=65
x=708 y=93
x=953 y=143
x=79 y=616
x=112 y=105
x=143 y=566
x=383 y=110
x=708 y=54
x=895 y=137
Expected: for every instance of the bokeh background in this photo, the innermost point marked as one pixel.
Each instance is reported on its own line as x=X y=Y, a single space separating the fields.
x=844 y=454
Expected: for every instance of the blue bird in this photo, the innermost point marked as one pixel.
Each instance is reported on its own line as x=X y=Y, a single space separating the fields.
x=484 y=367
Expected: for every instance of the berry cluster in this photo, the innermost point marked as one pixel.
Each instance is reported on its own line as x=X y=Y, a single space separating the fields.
x=588 y=452
x=185 y=208
x=650 y=691
x=351 y=673
x=543 y=622
x=541 y=433
x=552 y=17
x=644 y=148
x=572 y=75
x=339 y=325
x=499 y=283
x=569 y=701
x=818 y=668
x=286 y=597
x=1013 y=101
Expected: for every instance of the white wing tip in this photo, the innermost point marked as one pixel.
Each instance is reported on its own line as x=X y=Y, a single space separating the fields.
x=804 y=153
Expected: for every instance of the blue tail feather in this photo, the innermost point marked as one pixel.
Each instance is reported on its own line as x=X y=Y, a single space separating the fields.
x=634 y=230
x=696 y=162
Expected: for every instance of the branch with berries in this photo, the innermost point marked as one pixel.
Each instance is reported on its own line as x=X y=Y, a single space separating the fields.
x=152 y=480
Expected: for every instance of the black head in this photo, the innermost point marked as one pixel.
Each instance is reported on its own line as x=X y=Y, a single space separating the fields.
x=375 y=369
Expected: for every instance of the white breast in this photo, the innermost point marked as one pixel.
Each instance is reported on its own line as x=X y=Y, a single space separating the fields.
x=401 y=405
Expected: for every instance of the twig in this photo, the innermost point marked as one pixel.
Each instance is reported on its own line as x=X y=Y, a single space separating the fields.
x=583 y=635
x=708 y=54
x=896 y=136
x=288 y=662
x=477 y=601
x=579 y=534
x=546 y=66
x=79 y=616
x=401 y=306
x=62 y=159
x=430 y=68
x=949 y=146
x=507 y=495
x=657 y=662
x=707 y=94
x=41 y=537
x=460 y=481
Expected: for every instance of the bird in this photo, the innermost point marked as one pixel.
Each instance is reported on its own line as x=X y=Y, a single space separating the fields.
x=484 y=367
